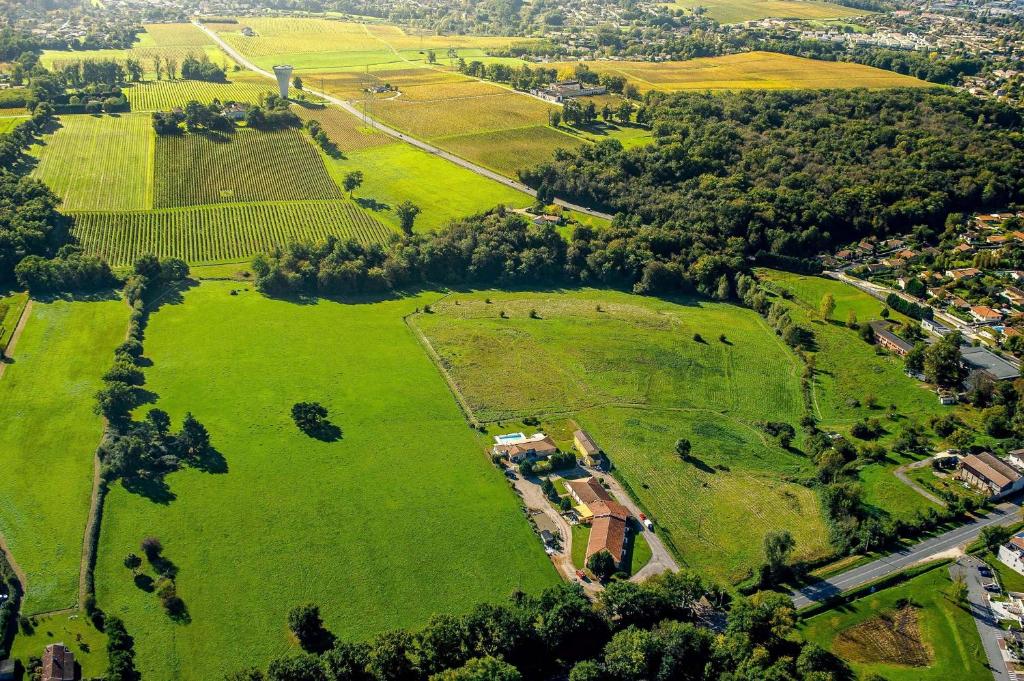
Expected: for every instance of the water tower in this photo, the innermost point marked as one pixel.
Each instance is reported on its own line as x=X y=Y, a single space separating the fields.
x=284 y=78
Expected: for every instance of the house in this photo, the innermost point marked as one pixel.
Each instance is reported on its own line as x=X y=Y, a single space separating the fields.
x=958 y=302
x=588 y=491
x=937 y=292
x=235 y=111
x=517 y=448
x=987 y=363
x=932 y=326
x=844 y=254
x=946 y=398
x=587 y=448
x=962 y=248
x=985 y=314
x=1013 y=295
x=962 y=273
x=888 y=340
x=58 y=663
x=997 y=239
x=567 y=89
x=1011 y=553
x=608 y=530
x=866 y=246
x=989 y=474
x=542 y=220
x=547 y=538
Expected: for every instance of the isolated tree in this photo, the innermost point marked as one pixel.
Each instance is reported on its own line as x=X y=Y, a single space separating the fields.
x=308 y=416
x=304 y=621
x=851 y=319
x=827 y=306
x=683 y=448
x=353 y=181
x=778 y=545
x=297 y=83
x=958 y=589
x=942 y=365
x=602 y=564
x=407 y=212
x=132 y=562
x=555 y=118
x=152 y=547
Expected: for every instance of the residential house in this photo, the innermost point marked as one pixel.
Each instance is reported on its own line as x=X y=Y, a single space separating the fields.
x=58 y=663
x=980 y=360
x=958 y=302
x=947 y=398
x=888 y=340
x=997 y=239
x=906 y=254
x=518 y=448
x=937 y=292
x=1011 y=553
x=587 y=448
x=962 y=273
x=932 y=326
x=542 y=220
x=866 y=246
x=985 y=314
x=844 y=254
x=989 y=474
x=962 y=248
x=235 y=111
x=1013 y=295
x=608 y=530
x=587 y=491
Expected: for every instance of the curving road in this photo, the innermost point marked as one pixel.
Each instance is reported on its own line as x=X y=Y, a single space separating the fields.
x=429 y=148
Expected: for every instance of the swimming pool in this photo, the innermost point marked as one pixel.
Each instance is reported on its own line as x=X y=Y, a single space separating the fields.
x=509 y=439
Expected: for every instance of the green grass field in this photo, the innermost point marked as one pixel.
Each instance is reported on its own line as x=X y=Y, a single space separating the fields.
x=946 y=629
x=401 y=518
x=633 y=376
x=226 y=232
x=8 y=123
x=507 y=151
x=736 y=11
x=11 y=306
x=75 y=631
x=247 y=165
x=99 y=162
x=443 y=190
x=47 y=440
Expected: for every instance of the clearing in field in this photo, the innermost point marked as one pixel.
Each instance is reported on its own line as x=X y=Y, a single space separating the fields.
x=401 y=517
x=754 y=70
x=736 y=11
x=99 y=162
x=246 y=165
x=911 y=632
x=628 y=370
x=443 y=190
x=229 y=232
x=47 y=440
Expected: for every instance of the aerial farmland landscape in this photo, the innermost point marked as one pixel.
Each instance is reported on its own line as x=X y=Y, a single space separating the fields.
x=473 y=340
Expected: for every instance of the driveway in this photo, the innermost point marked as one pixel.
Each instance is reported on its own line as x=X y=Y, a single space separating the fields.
x=429 y=148
x=901 y=473
x=988 y=628
x=1006 y=513
x=661 y=560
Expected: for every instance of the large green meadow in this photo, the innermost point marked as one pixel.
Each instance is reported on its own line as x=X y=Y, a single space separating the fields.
x=402 y=517
x=48 y=438
x=629 y=370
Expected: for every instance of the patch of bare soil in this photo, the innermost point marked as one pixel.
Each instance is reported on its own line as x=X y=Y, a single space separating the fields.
x=893 y=638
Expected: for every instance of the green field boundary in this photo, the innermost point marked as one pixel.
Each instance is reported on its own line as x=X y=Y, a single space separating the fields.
x=435 y=358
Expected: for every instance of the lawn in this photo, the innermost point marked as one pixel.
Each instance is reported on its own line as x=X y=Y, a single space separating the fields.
x=443 y=190
x=753 y=70
x=402 y=517
x=736 y=11
x=71 y=629
x=99 y=162
x=628 y=370
x=47 y=439
x=946 y=630
x=246 y=165
x=887 y=494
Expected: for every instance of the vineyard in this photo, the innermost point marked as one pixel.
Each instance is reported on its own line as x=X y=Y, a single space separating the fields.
x=167 y=94
x=222 y=233
x=247 y=165
x=99 y=162
x=344 y=129
x=433 y=118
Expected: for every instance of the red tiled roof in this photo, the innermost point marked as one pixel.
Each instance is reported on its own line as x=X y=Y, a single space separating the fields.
x=607 y=533
x=58 y=663
x=588 y=491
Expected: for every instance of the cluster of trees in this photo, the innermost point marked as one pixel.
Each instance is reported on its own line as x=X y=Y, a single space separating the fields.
x=785 y=174
x=70 y=270
x=106 y=72
x=647 y=631
x=912 y=310
x=320 y=137
x=201 y=68
x=273 y=113
x=148 y=448
x=11 y=586
x=30 y=224
x=526 y=78
x=120 y=651
x=196 y=116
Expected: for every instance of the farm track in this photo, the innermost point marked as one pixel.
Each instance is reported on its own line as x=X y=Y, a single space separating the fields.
x=429 y=148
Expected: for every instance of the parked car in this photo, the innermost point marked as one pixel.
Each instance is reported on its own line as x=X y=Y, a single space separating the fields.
x=582 y=575
x=991 y=586
x=984 y=571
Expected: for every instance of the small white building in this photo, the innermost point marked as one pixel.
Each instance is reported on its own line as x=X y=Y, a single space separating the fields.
x=1011 y=554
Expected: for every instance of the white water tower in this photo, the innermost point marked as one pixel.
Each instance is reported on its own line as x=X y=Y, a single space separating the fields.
x=284 y=79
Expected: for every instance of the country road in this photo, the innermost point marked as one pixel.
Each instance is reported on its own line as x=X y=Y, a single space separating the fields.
x=429 y=148
x=1006 y=513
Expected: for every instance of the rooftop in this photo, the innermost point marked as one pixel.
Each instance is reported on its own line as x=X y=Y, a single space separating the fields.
x=980 y=359
x=588 y=491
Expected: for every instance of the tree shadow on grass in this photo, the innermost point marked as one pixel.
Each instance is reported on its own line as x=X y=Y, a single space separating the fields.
x=210 y=461
x=372 y=204
x=144 y=582
x=154 y=488
x=325 y=431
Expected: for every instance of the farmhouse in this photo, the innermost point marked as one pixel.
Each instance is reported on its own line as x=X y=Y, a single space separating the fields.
x=58 y=663
x=567 y=89
x=989 y=474
x=235 y=111
x=608 y=530
x=985 y=314
x=586 y=492
x=987 y=363
x=587 y=448
x=890 y=341
x=518 y=448
x=1011 y=553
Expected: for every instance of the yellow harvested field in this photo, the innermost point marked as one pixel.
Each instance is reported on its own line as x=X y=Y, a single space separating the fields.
x=173 y=35
x=437 y=118
x=735 y=11
x=344 y=129
x=456 y=90
x=754 y=70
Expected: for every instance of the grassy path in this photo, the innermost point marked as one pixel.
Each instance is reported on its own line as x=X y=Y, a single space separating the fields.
x=25 y=312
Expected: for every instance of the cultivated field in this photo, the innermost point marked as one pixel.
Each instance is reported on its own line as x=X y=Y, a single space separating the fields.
x=166 y=94
x=47 y=440
x=8 y=123
x=443 y=190
x=360 y=526
x=736 y=11
x=222 y=233
x=627 y=369
x=433 y=118
x=507 y=151
x=870 y=635
x=348 y=132
x=99 y=162
x=247 y=165
x=754 y=70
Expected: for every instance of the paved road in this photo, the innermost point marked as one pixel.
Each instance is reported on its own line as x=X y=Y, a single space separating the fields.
x=1006 y=513
x=988 y=628
x=661 y=560
x=429 y=148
